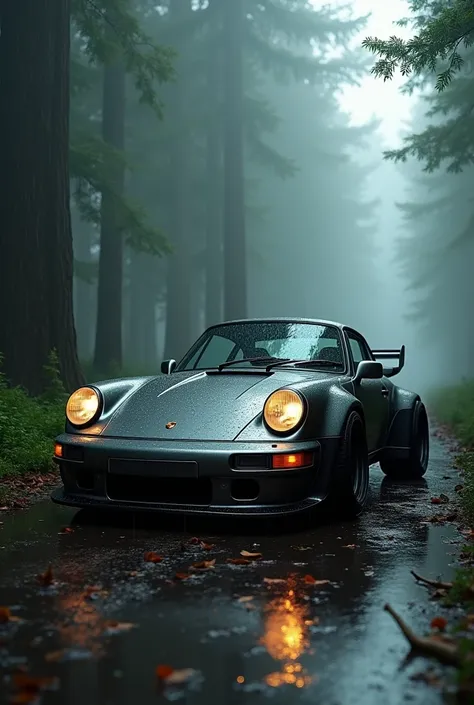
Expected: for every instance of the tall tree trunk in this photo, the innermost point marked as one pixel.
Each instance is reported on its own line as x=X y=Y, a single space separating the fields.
x=36 y=262
x=214 y=259
x=143 y=297
x=108 y=341
x=178 y=297
x=84 y=291
x=235 y=270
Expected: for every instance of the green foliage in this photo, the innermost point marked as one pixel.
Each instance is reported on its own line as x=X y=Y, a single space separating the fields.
x=29 y=425
x=112 y=27
x=92 y=374
x=454 y=406
x=443 y=30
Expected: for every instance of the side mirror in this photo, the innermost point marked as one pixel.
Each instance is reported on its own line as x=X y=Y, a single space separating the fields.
x=368 y=369
x=167 y=366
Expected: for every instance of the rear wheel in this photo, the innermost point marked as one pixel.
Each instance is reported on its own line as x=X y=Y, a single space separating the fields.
x=350 y=483
x=415 y=465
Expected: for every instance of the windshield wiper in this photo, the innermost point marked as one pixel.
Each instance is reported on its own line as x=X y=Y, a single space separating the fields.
x=278 y=361
x=319 y=363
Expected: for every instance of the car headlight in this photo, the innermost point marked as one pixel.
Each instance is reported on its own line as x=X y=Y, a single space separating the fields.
x=83 y=406
x=283 y=410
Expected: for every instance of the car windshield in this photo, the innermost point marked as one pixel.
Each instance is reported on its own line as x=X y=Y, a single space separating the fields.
x=256 y=344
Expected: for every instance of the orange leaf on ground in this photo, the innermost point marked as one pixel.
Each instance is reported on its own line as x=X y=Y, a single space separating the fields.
x=179 y=676
x=111 y=626
x=207 y=546
x=439 y=623
x=309 y=580
x=247 y=554
x=29 y=688
x=274 y=581
x=66 y=530
x=47 y=577
x=238 y=561
x=245 y=598
x=6 y=616
x=163 y=672
x=182 y=576
x=204 y=565
x=152 y=557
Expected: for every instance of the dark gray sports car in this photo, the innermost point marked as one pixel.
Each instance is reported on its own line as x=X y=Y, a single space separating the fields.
x=268 y=416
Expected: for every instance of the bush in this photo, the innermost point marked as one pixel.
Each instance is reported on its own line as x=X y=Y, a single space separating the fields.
x=454 y=407
x=29 y=425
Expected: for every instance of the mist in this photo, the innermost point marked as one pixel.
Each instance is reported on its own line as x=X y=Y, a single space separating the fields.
x=318 y=231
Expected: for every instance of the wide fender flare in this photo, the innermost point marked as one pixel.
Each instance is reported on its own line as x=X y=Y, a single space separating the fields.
x=339 y=403
x=400 y=430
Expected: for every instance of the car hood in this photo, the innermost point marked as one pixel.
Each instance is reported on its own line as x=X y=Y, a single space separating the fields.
x=203 y=406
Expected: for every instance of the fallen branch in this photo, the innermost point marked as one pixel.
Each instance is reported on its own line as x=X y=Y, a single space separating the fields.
x=438 y=584
x=445 y=653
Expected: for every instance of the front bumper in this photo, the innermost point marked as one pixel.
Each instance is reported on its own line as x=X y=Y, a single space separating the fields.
x=189 y=477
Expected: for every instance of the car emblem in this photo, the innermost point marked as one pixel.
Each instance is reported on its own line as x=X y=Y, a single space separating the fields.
x=171 y=424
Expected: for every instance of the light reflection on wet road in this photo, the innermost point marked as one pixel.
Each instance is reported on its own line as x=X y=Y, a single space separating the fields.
x=289 y=640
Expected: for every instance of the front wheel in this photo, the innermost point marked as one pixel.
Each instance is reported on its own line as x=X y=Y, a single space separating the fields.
x=414 y=466
x=350 y=482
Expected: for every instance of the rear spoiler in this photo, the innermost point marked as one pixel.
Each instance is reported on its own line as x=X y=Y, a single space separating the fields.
x=391 y=355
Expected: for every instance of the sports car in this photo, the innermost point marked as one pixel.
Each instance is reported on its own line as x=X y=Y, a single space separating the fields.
x=260 y=417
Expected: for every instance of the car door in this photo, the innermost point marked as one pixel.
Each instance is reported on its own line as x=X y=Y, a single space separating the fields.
x=372 y=393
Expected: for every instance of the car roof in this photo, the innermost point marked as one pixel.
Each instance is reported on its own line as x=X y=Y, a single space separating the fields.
x=282 y=319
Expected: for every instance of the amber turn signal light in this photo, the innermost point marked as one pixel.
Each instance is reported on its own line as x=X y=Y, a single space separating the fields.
x=293 y=460
x=58 y=450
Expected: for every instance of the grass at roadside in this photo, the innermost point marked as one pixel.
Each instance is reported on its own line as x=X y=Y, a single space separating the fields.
x=28 y=426
x=453 y=408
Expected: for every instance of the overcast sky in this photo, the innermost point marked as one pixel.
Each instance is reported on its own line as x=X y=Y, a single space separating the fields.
x=374 y=97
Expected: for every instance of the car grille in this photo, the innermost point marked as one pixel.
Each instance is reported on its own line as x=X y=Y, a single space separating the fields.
x=132 y=488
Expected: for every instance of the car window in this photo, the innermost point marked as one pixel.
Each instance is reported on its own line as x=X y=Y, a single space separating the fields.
x=218 y=348
x=358 y=348
x=272 y=339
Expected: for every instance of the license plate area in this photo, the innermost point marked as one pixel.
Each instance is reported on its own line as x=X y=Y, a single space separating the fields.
x=154 y=468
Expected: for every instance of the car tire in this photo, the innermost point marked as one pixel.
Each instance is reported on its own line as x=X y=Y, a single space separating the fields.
x=416 y=464
x=350 y=482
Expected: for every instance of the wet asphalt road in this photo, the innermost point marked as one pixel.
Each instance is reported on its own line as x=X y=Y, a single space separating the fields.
x=292 y=642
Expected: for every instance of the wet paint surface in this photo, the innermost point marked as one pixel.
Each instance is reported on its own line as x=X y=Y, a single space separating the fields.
x=250 y=632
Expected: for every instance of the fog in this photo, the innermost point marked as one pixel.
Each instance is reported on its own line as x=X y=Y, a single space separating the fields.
x=320 y=229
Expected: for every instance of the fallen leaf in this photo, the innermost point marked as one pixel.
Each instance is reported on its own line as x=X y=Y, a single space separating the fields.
x=152 y=557
x=247 y=554
x=309 y=580
x=163 y=672
x=238 y=561
x=459 y=488
x=207 y=546
x=442 y=499
x=245 y=598
x=7 y=617
x=54 y=656
x=350 y=545
x=47 y=577
x=93 y=592
x=439 y=623
x=182 y=576
x=66 y=530
x=203 y=565
x=274 y=581
x=111 y=626
x=29 y=687
x=195 y=541
x=179 y=676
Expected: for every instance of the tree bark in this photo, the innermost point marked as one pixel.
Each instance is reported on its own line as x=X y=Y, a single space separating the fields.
x=178 y=336
x=36 y=263
x=84 y=291
x=142 y=349
x=235 y=270
x=108 y=345
x=214 y=258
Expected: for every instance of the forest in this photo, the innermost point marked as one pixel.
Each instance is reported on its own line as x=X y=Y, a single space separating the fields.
x=158 y=193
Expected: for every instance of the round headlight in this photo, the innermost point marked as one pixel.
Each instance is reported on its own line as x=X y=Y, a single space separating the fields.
x=283 y=410
x=82 y=406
